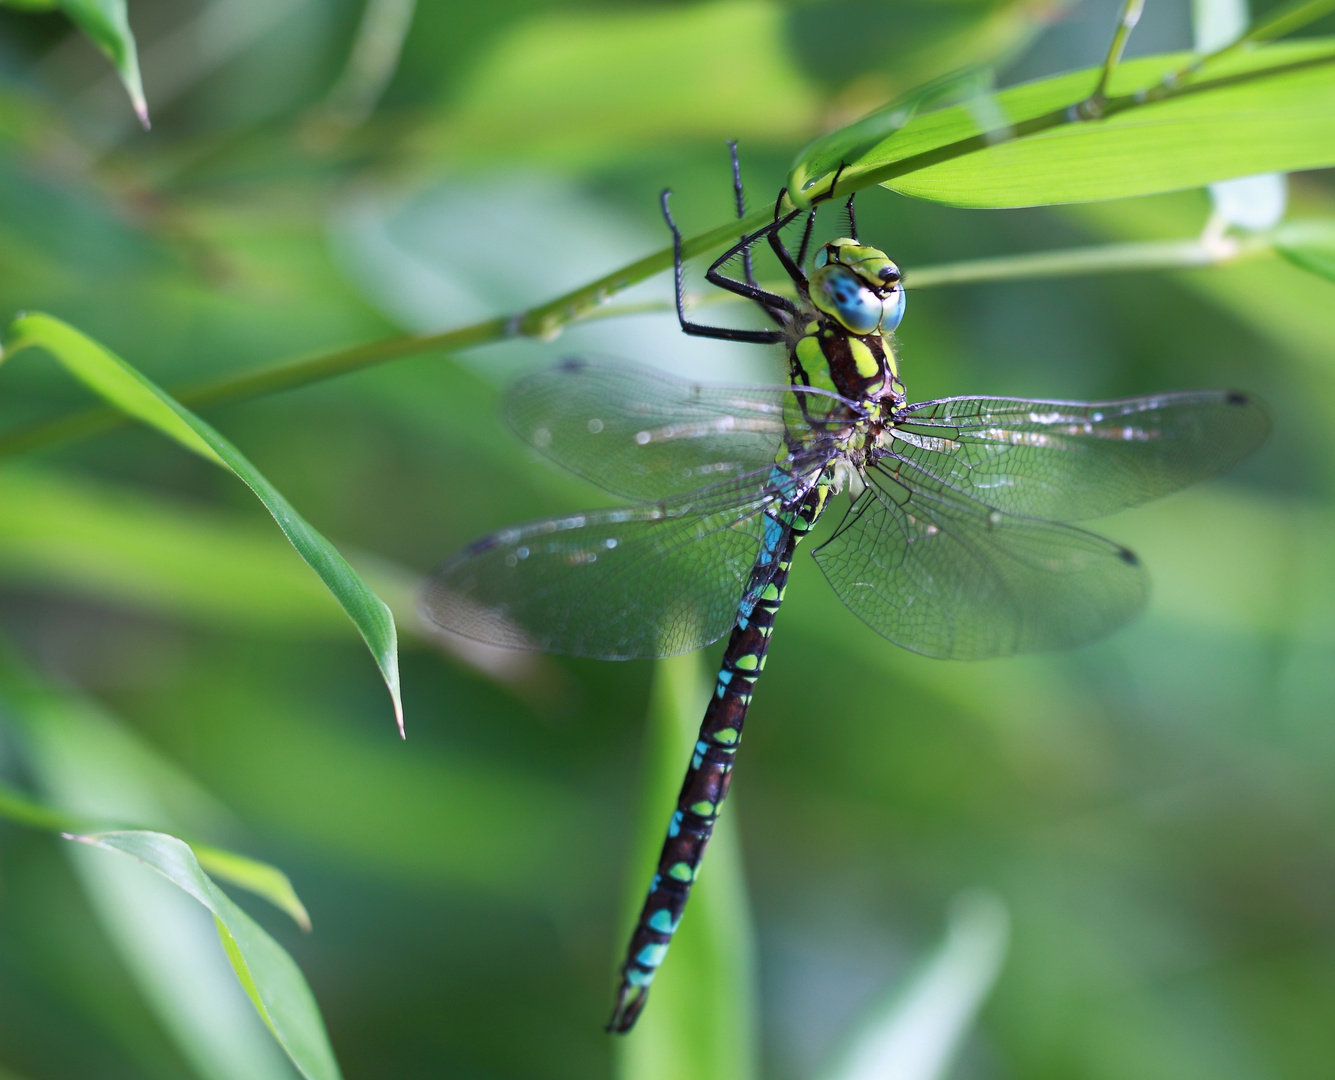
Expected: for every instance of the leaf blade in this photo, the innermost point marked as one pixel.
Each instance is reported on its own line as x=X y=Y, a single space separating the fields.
x=1271 y=109
x=122 y=386
x=269 y=975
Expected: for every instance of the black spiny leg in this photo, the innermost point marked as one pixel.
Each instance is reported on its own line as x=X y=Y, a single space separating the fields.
x=852 y=219
x=806 y=238
x=748 y=269
x=794 y=268
x=768 y=300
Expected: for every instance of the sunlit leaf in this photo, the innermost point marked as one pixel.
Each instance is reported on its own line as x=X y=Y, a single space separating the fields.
x=122 y=386
x=854 y=142
x=1268 y=110
x=272 y=980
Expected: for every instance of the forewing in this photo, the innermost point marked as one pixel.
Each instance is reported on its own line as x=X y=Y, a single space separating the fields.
x=1068 y=461
x=946 y=576
x=649 y=580
x=642 y=434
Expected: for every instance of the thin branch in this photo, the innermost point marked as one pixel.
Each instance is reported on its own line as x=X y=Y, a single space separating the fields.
x=1092 y=107
x=547 y=320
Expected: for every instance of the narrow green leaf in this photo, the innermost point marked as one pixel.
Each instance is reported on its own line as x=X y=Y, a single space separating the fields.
x=1271 y=109
x=254 y=876
x=269 y=975
x=43 y=711
x=1288 y=18
x=107 y=25
x=852 y=143
x=700 y=1021
x=915 y=1032
x=1309 y=246
x=125 y=388
x=95 y=774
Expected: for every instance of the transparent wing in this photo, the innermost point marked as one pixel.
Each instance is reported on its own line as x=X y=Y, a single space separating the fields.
x=947 y=576
x=1069 y=460
x=650 y=580
x=641 y=434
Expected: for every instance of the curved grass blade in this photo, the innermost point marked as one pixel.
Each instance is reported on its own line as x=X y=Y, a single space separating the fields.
x=94 y=775
x=269 y=975
x=30 y=704
x=1309 y=245
x=107 y=24
x=122 y=386
x=252 y=875
x=916 y=1031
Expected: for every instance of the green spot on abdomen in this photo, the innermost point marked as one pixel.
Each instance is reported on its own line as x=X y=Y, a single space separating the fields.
x=680 y=872
x=704 y=809
x=749 y=662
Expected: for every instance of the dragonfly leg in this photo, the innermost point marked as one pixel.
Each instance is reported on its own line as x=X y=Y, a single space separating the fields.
x=793 y=267
x=756 y=337
x=710 y=771
x=748 y=267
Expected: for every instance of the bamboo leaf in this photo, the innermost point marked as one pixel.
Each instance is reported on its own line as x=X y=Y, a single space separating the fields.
x=92 y=772
x=130 y=392
x=256 y=877
x=269 y=975
x=1268 y=110
x=1309 y=246
x=250 y=874
x=854 y=141
x=915 y=1033
x=107 y=24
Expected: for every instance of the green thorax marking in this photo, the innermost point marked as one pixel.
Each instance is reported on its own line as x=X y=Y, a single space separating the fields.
x=854 y=301
x=856 y=366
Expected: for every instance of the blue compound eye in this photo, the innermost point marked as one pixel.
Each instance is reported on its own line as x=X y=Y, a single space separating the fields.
x=894 y=310
x=838 y=291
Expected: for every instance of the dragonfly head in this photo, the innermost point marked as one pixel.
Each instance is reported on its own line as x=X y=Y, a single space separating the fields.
x=859 y=286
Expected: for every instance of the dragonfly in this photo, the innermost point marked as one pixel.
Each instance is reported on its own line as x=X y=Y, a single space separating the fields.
x=956 y=543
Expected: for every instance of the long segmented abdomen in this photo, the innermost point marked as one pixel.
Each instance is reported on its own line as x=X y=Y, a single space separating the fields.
x=710 y=771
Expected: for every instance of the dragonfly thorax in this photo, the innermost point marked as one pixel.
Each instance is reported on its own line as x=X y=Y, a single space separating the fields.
x=843 y=343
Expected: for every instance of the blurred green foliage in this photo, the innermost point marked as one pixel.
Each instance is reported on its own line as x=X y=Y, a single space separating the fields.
x=1155 y=811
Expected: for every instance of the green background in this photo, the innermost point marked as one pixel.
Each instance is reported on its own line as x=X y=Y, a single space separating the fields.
x=1155 y=811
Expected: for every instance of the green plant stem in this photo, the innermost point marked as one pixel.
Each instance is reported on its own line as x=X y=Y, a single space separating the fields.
x=547 y=320
x=1099 y=259
x=22 y=810
x=289 y=375
x=1131 y=12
